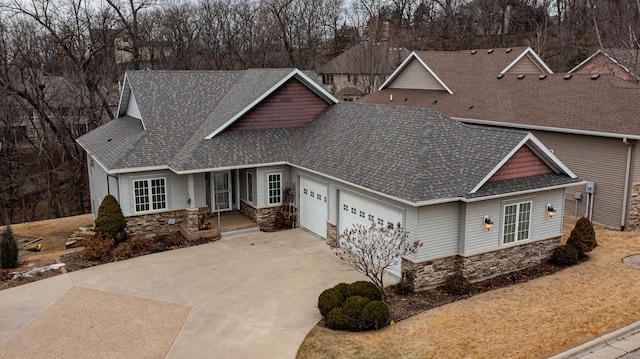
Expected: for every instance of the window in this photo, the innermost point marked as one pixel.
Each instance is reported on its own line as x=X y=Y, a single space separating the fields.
x=361 y=214
x=353 y=210
x=380 y=222
x=517 y=219
x=312 y=194
x=250 y=187
x=372 y=218
x=150 y=194
x=275 y=188
x=327 y=79
x=345 y=207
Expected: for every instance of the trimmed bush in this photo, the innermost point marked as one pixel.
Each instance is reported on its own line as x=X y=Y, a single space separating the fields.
x=352 y=311
x=98 y=248
x=564 y=256
x=457 y=284
x=364 y=289
x=336 y=320
x=375 y=315
x=8 y=249
x=583 y=237
x=332 y=298
x=136 y=246
x=110 y=222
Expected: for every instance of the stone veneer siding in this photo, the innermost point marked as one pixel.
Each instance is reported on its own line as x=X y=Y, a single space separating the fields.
x=634 y=208
x=264 y=217
x=332 y=234
x=158 y=223
x=431 y=273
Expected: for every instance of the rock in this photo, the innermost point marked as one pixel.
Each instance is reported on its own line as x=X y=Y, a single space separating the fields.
x=70 y=244
x=34 y=247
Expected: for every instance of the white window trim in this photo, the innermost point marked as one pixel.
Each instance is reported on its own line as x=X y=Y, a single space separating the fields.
x=517 y=223
x=250 y=195
x=150 y=195
x=269 y=189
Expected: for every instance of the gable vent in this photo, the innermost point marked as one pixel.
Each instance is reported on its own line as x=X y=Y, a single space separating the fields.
x=489 y=51
x=508 y=50
x=542 y=77
x=520 y=77
x=500 y=76
x=595 y=76
x=473 y=52
x=567 y=76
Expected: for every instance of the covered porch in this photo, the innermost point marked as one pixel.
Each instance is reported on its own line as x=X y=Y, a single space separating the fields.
x=230 y=223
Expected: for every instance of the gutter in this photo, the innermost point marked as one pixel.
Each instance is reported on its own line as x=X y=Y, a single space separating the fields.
x=546 y=128
x=626 y=184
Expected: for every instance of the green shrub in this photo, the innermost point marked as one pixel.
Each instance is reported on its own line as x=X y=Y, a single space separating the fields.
x=110 y=222
x=457 y=284
x=336 y=320
x=564 y=256
x=364 y=289
x=375 y=315
x=583 y=237
x=98 y=248
x=332 y=298
x=8 y=249
x=352 y=311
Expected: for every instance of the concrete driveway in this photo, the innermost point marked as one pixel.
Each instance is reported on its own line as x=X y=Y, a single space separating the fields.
x=247 y=296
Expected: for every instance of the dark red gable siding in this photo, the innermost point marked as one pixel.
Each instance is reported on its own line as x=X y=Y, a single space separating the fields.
x=523 y=163
x=292 y=105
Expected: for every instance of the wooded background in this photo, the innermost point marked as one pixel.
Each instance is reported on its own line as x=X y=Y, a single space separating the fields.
x=61 y=60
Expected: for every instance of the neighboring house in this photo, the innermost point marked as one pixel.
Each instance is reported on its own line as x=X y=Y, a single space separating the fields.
x=361 y=69
x=623 y=63
x=187 y=143
x=591 y=122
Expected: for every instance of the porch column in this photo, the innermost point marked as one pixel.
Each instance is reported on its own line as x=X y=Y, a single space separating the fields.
x=237 y=191
x=191 y=192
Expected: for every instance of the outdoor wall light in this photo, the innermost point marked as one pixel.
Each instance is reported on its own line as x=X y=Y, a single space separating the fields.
x=550 y=211
x=487 y=222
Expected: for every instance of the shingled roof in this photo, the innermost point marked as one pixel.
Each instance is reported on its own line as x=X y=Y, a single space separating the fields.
x=366 y=58
x=413 y=154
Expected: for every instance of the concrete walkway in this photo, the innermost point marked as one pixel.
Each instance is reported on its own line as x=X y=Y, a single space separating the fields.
x=247 y=296
x=623 y=343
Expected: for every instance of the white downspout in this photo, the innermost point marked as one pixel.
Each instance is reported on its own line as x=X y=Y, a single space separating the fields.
x=625 y=198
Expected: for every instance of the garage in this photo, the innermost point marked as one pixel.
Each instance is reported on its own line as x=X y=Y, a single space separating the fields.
x=357 y=209
x=313 y=206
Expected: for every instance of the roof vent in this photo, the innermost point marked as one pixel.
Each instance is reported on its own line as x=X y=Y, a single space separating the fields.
x=567 y=76
x=473 y=52
x=500 y=76
x=435 y=101
x=405 y=99
x=489 y=51
x=508 y=50
x=542 y=77
x=109 y=140
x=470 y=107
x=520 y=77
x=595 y=76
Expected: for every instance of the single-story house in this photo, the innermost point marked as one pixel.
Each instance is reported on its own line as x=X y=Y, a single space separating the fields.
x=481 y=200
x=590 y=122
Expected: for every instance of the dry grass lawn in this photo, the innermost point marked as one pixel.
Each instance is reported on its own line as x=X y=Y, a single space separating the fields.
x=536 y=319
x=54 y=233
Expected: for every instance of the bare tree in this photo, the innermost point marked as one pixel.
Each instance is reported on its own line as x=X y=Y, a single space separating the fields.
x=375 y=249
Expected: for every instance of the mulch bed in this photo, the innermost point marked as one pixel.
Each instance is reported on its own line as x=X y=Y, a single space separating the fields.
x=407 y=305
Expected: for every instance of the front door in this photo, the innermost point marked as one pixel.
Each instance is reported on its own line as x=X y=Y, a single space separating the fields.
x=221 y=189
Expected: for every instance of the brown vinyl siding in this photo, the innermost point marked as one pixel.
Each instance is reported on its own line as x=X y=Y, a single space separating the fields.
x=523 y=163
x=525 y=66
x=599 y=159
x=292 y=105
x=415 y=76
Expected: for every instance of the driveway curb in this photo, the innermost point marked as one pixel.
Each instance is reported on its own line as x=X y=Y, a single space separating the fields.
x=599 y=342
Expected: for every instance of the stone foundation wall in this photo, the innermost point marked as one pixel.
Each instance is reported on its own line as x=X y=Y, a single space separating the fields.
x=155 y=223
x=264 y=217
x=332 y=235
x=431 y=273
x=634 y=208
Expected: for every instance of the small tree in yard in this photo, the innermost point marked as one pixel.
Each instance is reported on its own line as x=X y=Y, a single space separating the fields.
x=8 y=249
x=110 y=222
x=373 y=250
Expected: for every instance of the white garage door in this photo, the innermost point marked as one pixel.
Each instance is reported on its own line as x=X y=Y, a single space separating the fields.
x=356 y=209
x=313 y=206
